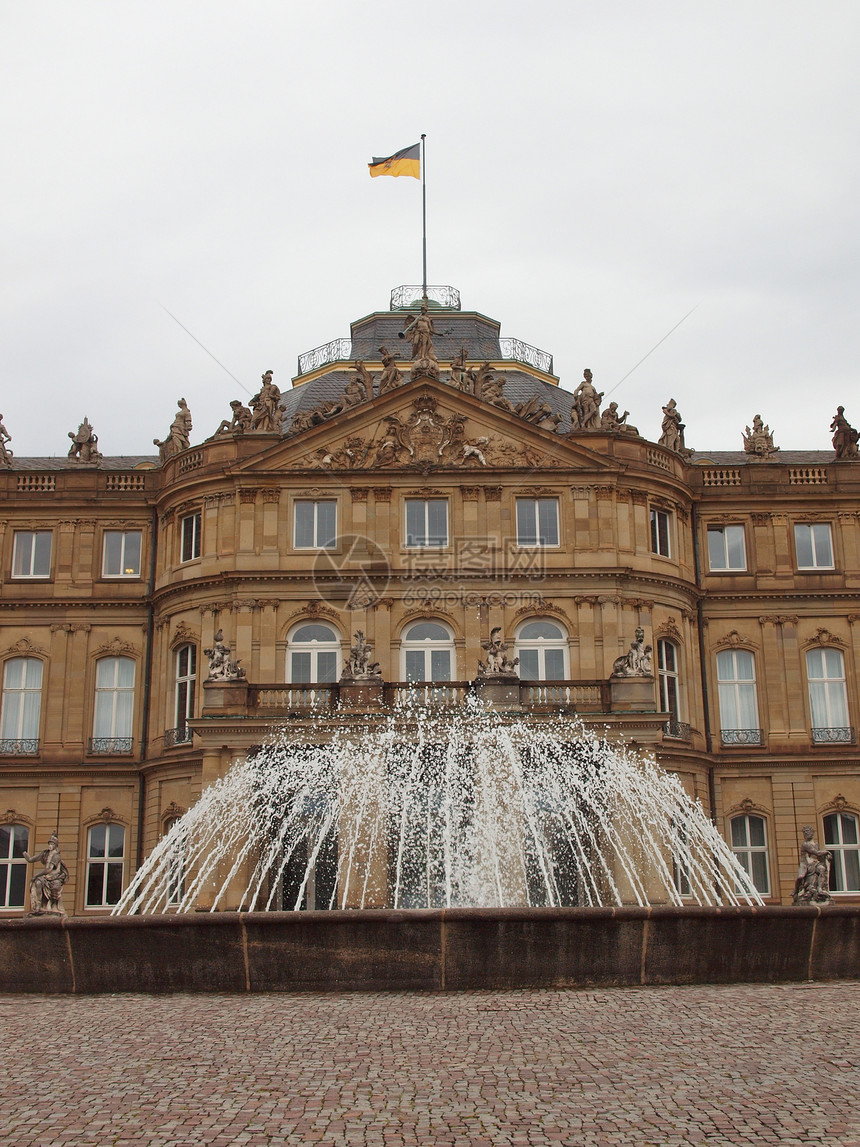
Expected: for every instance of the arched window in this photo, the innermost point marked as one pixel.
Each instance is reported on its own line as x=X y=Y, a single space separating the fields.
x=841 y=838
x=22 y=705
x=428 y=652
x=185 y=692
x=105 y=862
x=828 y=702
x=13 y=866
x=313 y=654
x=667 y=677
x=541 y=646
x=739 y=722
x=114 y=707
x=749 y=844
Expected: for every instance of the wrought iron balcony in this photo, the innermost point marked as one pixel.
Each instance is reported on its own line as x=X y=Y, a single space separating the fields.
x=742 y=736
x=519 y=351
x=402 y=298
x=111 y=745
x=19 y=746
x=841 y=735
x=181 y=736
x=678 y=730
x=338 y=350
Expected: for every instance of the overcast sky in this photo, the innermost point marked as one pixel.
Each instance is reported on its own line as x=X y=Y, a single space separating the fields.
x=594 y=172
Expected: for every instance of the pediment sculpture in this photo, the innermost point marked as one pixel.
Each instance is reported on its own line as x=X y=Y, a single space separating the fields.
x=419 y=331
x=266 y=406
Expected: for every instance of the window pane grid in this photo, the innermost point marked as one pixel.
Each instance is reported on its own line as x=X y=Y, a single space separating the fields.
x=32 y=553
x=122 y=553
x=314 y=525
x=426 y=522
x=813 y=545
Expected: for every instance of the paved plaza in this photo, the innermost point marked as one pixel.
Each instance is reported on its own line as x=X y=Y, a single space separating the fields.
x=650 y=1066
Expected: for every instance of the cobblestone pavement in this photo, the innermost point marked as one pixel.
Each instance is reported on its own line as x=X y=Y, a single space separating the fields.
x=650 y=1066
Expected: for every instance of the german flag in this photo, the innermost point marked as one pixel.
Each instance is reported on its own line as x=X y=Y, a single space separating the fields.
x=405 y=162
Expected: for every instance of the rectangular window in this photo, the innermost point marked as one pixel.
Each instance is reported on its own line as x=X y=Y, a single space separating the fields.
x=122 y=553
x=32 y=553
x=660 y=533
x=315 y=525
x=426 y=521
x=191 y=529
x=726 y=550
x=813 y=546
x=537 y=521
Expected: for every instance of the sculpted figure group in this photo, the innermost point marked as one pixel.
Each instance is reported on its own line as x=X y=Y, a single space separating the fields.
x=84 y=443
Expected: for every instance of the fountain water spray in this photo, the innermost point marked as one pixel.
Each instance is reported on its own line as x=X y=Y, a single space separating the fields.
x=441 y=809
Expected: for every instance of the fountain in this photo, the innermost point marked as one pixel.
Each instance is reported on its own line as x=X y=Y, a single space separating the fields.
x=446 y=809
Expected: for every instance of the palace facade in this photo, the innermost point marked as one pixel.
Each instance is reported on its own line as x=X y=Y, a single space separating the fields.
x=425 y=482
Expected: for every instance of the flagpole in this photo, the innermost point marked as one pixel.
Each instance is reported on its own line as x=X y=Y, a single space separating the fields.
x=424 y=208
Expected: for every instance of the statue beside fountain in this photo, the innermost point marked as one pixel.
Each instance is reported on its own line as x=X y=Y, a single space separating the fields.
x=631 y=683
x=46 y=887
x=361 y=679
x=813 y=875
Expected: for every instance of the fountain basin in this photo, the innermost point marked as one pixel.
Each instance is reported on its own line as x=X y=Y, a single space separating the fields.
x=435 y=950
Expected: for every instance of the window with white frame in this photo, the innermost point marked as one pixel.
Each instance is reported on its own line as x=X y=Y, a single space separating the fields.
x=315 y=525
x=541 y=646
x=426 y=521
x=121 y=557
x=31 y=553
x=736 y=688
x=313 y=654
x=813 y=546
x=749 y=844
x=190 y=530
x=114 y=704
x=186 y=685
x=13 y=866
x=537 y=521
x=660 y=526
x=667 y=677
x=22 y=705
x=841 y=839
x=105 y=862
x=428 y=652
x=726 y=548
x=828 y=699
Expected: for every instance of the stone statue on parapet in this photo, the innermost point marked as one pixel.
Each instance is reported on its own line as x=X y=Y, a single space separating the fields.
x=844 y=436
x=636 y=662
x=759 y=440
x=538 y=413
x=238 y=424
x=672 y=436
x=266 y=407
x=178 y=436
x=46 y=887
x=358 y=666
x=221 y=668
x=615 y=423
x=391 y=377
x=498 y=664
x=813 y=875
x=459 y=375
x=84 y=443
x=585 y=411
x=5 y=452
x=419 y=332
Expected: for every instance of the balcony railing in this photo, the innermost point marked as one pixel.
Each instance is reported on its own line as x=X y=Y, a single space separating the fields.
x=519 y=351
x=279 y=699
x=677 y=730
x=110 y=745
x=425 y=694
x=19 y=746
x=340 y=350
x=841 y=735
x=742 y=736
x=402 y=298
x=583 y=696
x=181 y=736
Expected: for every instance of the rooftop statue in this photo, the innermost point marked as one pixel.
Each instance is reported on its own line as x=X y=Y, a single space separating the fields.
x=538 y=413
x=498 y=663
x=585 y=412
x=358 y=666
x=672 y=436
x=221 y=668
x=239 y=423
x=636 y=662
x=759 y=440
x=5 y=452
x=614 y=422
x=813 y=875
x=391 y=377
x=84 y=443
x=364 y=380
x=844 y=436
x=459 y=375
x=266 y=407
x=419 y=332
x=178 y=436
x=46 y=887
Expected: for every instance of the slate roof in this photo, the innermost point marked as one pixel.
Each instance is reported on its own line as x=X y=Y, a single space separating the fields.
x=454 y=329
